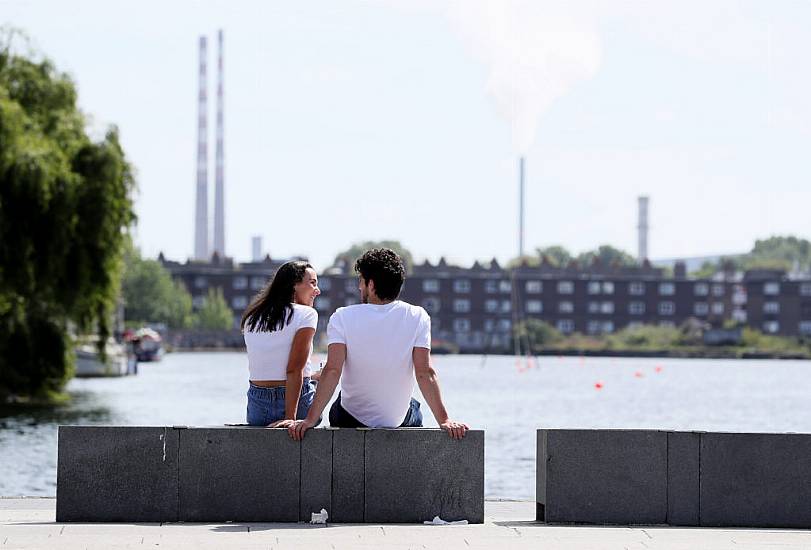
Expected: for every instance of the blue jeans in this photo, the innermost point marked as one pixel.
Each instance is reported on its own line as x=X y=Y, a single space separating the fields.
x=266 y=405
x=340 y=418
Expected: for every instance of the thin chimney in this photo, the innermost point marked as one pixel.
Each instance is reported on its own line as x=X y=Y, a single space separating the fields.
x=642 y=228
x=219 y=187
x=201 y=204
x=521 y=207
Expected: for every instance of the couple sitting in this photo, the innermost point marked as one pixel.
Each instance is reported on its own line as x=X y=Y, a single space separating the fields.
x=376 y=349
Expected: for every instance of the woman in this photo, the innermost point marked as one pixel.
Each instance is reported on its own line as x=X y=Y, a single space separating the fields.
x=278 y=327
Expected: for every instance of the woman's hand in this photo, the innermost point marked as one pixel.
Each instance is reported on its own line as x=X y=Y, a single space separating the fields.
x=298 y=427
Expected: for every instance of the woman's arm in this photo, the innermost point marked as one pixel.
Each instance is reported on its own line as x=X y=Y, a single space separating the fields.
x=299 y=352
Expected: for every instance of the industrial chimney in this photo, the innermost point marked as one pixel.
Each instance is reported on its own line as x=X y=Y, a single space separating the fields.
x=201 y=204
x=256 y=248
x=219 y=186
x=642 y=229
x=521 y=207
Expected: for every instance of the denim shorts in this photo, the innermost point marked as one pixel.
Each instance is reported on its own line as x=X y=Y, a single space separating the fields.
x=266 y=405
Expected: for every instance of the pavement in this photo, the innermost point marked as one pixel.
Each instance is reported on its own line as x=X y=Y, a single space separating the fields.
x=30 y=523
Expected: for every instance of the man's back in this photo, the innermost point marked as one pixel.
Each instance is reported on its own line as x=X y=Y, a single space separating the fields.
x=378 y=376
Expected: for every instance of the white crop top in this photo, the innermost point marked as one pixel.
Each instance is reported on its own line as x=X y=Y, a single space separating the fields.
x=268 y=352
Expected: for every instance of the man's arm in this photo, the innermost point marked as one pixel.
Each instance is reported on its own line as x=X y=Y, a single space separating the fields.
x=428 y=381
x=330 y=376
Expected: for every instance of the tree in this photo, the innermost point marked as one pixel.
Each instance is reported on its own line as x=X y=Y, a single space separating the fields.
x=64 y=207
x=214 y=314
x=608 y=255
x=536 y=334
x=780 y=253
x=151 y=295
x=556 y=254
x=350 y=255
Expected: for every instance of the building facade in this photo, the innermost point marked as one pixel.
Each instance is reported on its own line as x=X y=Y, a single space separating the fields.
x=476 y=308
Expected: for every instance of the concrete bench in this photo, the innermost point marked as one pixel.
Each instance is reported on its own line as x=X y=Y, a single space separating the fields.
x=163 y=474
x=677 y=478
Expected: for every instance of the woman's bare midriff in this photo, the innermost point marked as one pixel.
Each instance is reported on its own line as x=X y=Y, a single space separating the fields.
x=268 y=383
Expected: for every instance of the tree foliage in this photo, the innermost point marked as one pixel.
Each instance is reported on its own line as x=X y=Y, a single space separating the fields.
x=214 y=314
x=607 y=255
x=64 y=205
x=151 y=295
x=348 y=256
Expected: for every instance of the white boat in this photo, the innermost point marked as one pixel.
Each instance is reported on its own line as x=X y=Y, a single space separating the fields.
x=89 y=364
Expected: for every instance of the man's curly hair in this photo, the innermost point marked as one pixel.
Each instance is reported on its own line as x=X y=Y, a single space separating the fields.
x=385 y=268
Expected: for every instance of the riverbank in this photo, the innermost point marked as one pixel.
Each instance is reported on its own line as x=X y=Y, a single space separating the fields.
x=30 y=523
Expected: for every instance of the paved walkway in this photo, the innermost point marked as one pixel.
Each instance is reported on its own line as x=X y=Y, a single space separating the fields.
x=29 y=523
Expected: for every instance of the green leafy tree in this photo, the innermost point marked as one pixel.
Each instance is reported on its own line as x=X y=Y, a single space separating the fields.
x=556 y=254
x=152 y=296
x=537 y=334
x=608 y=255
x=64 y=207
x=348 y=256
x=780 y=253
x=214 y=314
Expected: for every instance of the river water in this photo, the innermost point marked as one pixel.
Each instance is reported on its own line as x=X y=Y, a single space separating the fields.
x=509 y=399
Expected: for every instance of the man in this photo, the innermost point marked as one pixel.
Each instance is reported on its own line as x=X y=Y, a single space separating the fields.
x=376 y=349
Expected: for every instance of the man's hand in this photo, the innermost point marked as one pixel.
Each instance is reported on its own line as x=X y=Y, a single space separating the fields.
x=281 y=424
x=455 y=429
x=298 y=427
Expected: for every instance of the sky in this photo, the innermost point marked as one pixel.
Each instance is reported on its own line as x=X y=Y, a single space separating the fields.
x=357 y=120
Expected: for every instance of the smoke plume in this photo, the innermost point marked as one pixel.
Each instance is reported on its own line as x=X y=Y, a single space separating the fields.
x=535 y=52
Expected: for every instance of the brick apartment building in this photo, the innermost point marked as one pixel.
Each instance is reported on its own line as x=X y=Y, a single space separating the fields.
x=475 y=308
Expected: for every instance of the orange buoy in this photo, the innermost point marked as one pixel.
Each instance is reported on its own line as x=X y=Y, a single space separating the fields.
x=598 y=386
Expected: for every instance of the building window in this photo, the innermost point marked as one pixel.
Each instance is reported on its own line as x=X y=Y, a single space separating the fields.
x=491 y=287
x=607 y=307
x=771 y=288
x=430 y=285
x=565 y=287
x=461 y=306
x=633 y=325
x=701 y=289
x=739 y=315
x=608 y=327
x=322 y=303
x=805 y=328
x=504 y=286
x=636 y=308
x=257 y=283
x=504 y=325
x=351 y=285
x=593 y=287
x=198 y=301
x=636 y=288
x=565 y=307
x=667 y=289
x=491 y=306
x=566 y=326
x=718 y=308
x=718 y=290
x=489 y=325
x=534 y=287
x=534 y=306
x=239 y=302
x=593 y=307
x=325 y=283
x=608 y=287
x=431 y=305
x=805 y=289
x=461 y=325
x=240 y=283
x=200 y=282
x=771 y=327
x=461 y=286
x=506 y=307
x=593 y=327
x=701 y=308
x=771 y=307
x=667 y=308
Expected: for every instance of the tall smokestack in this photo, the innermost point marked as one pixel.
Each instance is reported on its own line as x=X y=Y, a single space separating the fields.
x=256 y=248
x=642 y=228
x=521 y=207
x=201 y=205
x=219 y=189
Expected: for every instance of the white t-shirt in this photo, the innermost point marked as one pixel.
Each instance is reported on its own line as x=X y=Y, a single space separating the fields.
x=378 y=376
x=268 y=352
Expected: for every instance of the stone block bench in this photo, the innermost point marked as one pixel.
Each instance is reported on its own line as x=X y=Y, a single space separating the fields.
x=166 y=474
x=677 y=478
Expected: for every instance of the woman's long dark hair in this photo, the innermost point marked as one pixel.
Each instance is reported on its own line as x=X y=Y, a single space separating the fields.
x=272 y=308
